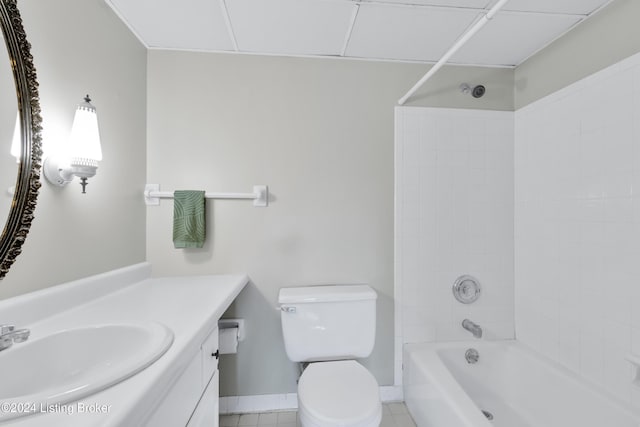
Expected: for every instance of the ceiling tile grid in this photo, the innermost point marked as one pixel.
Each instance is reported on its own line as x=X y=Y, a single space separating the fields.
x=406 y=33
x=290 y=26
x=402 y=30
x=188 y=24
x=510 y=38
x=472 y=4
x=572 y=7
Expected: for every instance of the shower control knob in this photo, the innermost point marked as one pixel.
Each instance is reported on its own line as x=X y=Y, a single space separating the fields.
x=466 y=289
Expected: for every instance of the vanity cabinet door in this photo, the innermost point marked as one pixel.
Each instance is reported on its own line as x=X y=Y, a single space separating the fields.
x=207 y=412
x=209 y=356
x=178 y=404
x=193 y=399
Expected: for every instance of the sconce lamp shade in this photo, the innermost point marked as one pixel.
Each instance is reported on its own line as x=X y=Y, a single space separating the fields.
x=84 y=143
x=16 y=142
x=83 y=150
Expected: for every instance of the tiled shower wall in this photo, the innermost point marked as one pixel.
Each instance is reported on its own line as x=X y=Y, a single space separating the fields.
x=577 y=226
x=454 y=216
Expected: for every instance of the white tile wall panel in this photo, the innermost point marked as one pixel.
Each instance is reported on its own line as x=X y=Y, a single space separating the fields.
x=454 y=216
x=577 y=226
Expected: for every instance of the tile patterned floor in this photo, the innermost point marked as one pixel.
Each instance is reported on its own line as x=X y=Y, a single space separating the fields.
x=393 y=415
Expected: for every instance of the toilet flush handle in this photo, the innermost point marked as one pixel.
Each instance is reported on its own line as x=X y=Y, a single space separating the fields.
x=287 y=309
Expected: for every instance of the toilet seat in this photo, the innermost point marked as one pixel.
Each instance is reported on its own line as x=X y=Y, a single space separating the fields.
x=338 y=394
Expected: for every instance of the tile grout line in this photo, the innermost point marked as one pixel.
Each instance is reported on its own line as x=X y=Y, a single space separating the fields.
x=393 y=415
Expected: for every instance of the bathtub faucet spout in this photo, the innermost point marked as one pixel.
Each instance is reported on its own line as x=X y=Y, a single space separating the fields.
x=474 y=328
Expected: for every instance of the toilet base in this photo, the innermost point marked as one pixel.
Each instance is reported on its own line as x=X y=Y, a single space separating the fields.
x=338 y=394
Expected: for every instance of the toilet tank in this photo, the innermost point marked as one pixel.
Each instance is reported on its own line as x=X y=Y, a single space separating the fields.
x=331 y=322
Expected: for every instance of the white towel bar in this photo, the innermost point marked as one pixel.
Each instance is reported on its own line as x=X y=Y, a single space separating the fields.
x=260 y=195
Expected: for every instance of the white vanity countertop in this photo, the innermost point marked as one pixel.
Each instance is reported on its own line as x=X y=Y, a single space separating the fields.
x=189 y=306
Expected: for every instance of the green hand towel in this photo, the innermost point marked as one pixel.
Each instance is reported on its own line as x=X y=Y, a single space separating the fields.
x=188 y=219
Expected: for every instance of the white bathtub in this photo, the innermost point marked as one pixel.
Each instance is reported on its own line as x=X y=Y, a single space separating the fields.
x=518 y=387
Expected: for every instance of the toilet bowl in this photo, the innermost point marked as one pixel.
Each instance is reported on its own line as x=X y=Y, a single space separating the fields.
x=341 y=393
x=326 y=328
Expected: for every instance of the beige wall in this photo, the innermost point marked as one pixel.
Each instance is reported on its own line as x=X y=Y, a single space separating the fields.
x=80 y=47
x=319 y=132
x=608 y=37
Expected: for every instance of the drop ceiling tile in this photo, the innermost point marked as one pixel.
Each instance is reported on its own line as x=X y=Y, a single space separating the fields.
x=187 y=24
x=578 y=7
x=406 y=33
x=510 y=38
x=477 y=4
x=310 y=27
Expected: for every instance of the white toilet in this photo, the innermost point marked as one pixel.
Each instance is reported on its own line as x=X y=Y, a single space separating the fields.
x=329 y=326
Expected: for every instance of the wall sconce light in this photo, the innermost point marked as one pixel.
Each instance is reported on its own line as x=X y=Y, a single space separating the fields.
x=83 y=153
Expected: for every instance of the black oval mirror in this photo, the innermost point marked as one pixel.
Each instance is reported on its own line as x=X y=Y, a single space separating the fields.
x=25 y=192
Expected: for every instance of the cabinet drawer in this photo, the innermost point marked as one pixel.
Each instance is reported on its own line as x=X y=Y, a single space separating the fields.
x=209 y=356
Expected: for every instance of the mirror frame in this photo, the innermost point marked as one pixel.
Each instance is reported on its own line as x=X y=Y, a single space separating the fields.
x=23 y=205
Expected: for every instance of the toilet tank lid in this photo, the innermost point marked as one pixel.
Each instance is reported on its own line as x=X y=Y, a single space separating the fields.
x=326 y=293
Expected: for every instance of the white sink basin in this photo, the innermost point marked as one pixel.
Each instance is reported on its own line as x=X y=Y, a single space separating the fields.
x=74 y=363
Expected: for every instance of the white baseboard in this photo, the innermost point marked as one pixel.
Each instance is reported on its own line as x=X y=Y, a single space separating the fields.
x=391 y=393
x=285 y=402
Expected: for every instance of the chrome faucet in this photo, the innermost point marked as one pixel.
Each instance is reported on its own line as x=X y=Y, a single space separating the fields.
x=9 y=335
x=474 y=328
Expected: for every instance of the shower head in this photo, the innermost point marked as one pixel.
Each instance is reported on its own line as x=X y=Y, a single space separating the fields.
x=476 y=91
